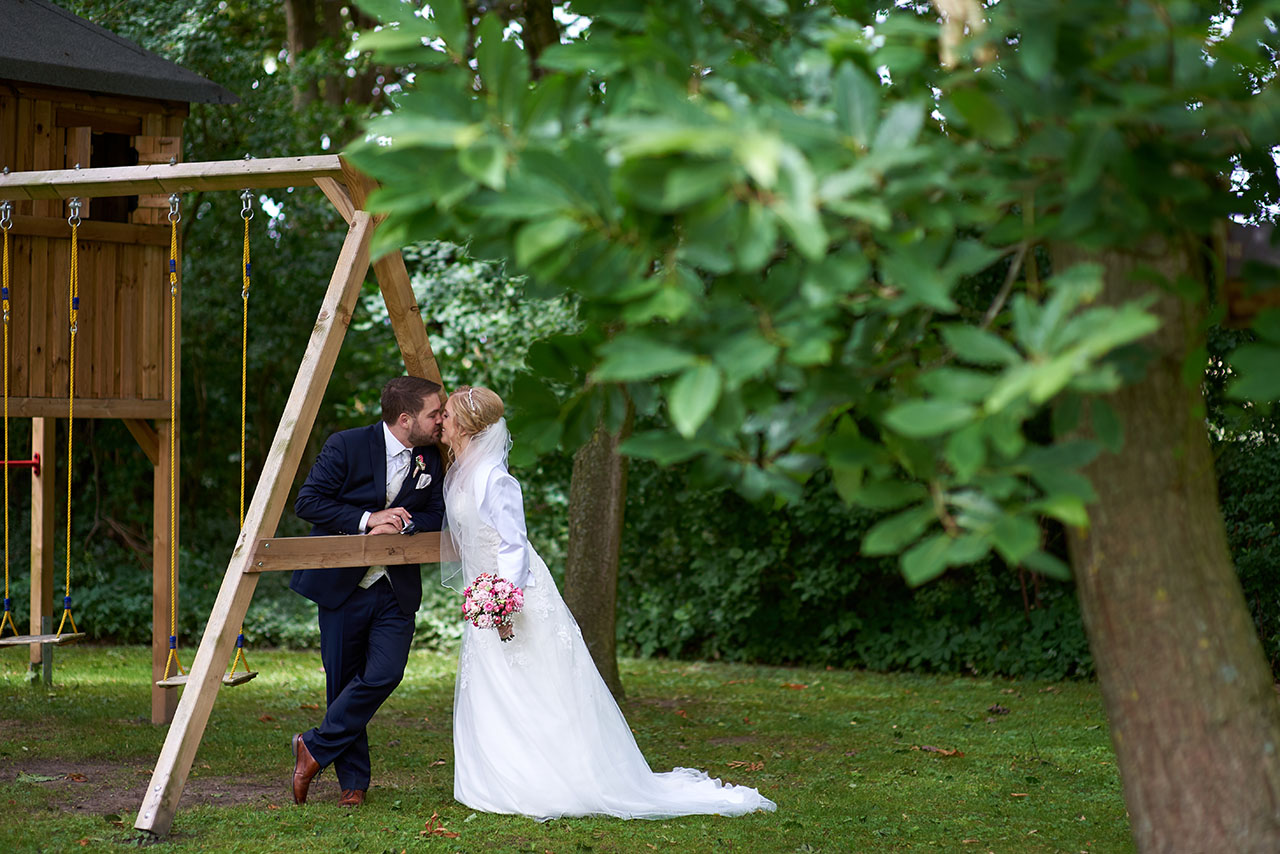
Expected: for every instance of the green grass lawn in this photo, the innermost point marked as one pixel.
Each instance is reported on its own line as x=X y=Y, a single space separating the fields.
x=856 y=762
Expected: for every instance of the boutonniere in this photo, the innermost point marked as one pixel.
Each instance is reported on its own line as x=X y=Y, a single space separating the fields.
x=419 y=465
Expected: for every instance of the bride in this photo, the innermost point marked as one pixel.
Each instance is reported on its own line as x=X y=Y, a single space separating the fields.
x=535 y=730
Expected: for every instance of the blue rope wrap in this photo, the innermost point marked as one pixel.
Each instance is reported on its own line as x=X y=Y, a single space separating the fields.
x=173 y=641
x=66 y=602
x=239 y=639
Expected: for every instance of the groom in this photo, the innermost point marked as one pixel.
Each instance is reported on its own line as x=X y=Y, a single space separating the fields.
x=383 y=479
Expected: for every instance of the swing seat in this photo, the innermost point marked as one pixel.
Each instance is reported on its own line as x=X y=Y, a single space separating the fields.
x=55 y=639
x=227 y=679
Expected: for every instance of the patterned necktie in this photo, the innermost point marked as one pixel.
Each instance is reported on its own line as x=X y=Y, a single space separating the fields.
x=396 y=479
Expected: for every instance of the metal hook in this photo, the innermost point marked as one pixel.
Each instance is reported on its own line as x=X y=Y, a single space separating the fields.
x=246 y=204
x=6 y=215
x=74 y=219
x=175 y=208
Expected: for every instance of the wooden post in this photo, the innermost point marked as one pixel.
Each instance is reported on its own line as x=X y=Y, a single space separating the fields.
x=164 y=701
x=396 y=287
x=43 y=431
x=163 y=792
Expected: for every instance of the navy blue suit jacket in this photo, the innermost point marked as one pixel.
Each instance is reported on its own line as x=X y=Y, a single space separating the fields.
x=349 y=477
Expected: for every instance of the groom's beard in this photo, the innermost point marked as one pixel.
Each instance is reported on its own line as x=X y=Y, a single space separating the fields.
x=420 y=439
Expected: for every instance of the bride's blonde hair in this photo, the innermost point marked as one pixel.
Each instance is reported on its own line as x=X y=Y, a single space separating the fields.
x=475 y=408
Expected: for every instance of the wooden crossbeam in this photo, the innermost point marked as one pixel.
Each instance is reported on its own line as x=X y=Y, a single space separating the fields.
x=170 y=178
x=287 y=553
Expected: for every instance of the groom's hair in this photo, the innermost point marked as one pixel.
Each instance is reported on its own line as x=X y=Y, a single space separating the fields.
x=406 y=394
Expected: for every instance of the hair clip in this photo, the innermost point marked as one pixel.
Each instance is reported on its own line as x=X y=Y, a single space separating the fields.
x=471 y=400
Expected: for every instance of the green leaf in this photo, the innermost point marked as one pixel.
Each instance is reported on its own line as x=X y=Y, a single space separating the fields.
x=693 y=396
x=1067 y=509
x=659 y=445
x=1038 y=46
x=892 y=535
x=1046 y=564
x=889 y=494
x=900 y=127
x=638 y=357
x=923 y=418
x=503 y=67
x=926 y=561
x=1015 y=537
x=1106 y=425
x=978 y=346
x=537 y=238
x=598 y=53
x=1256 y=363
x=986 y=118
x=486 y=162
x=857 y=103
x=454 y=21
x=966 y=451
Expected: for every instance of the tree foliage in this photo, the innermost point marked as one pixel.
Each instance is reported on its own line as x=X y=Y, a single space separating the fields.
x=767 y=211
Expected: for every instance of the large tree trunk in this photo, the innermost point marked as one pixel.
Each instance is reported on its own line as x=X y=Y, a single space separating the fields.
x=1194 y=716
x=597 y=498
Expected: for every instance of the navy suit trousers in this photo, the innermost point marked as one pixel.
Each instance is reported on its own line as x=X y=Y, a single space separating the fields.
x=364 y=645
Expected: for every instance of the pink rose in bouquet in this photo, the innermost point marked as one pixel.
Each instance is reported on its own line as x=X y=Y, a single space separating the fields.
x=491 y=601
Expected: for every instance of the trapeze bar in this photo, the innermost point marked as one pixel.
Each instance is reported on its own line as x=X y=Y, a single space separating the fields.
x=170 y=178
x=33 y=464
x=27 y=640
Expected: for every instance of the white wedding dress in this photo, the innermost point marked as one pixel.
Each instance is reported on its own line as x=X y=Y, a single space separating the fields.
x=535 y=730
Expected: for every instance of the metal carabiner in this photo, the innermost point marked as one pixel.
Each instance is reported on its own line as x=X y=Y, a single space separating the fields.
x=246 y=205
x=6 y=215
x=175 y=208
x=74 y=219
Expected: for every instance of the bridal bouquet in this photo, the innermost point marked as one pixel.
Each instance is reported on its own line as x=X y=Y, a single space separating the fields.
x=491 y=601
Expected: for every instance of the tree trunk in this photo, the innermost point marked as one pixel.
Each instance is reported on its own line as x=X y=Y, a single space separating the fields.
x=1194 y=716
x=303 y=32
x=597 y=498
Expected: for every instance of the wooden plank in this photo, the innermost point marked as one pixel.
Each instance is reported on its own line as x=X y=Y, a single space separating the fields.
x=281 y=554
x=43 y=153
x=8 y=130
x=99 y=101
x=269 y=498
x=19 y=317
x=89 y=321
x=98 y=122
x=40 y=291
x=148 y=438
x=106 y=326
x=87 y=407
x=161 y=178
x=406 y=317
x=337 y=196
x=163 y=703
x=129 y=346
x=99 y=232
x=55 y=639
x=43 y=434
x=57 y=317
x=154 y=308
x=22 y=153
x=79 y=150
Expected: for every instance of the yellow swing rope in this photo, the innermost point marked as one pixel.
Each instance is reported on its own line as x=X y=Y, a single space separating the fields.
x=73 y=312
x=175 y=215
x=246 y=214
x=6 y=223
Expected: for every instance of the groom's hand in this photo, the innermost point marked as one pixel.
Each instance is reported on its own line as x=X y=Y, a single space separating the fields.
x=385 y=528
x=396 y=517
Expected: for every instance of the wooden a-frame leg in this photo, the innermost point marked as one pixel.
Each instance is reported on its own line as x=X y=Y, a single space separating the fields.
x=161 y=799
x=42 y=542
x=406 y=317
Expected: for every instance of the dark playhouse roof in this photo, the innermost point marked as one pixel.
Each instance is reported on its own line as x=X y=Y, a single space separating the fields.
x=41 y=43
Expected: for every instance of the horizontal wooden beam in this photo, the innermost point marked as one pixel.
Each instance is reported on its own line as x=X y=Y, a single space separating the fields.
x=56 y=407
x=91 y=231
x=170 y=178
x=288 y=553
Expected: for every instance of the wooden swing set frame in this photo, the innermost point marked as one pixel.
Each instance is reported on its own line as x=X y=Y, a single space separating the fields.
x=257 y=550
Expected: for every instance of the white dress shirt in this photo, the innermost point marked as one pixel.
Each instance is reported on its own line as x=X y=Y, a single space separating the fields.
x=398 y=460
x=501 y=506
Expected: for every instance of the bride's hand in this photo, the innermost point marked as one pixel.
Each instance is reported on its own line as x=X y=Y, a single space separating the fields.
x=506 y=633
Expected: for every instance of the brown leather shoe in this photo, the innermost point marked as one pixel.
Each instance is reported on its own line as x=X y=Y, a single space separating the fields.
x=305 y=768
x=351 y=798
